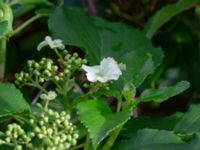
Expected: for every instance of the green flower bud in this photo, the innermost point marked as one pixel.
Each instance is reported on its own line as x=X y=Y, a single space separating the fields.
x=41 y=80
x=73 y=142
x=37 y=129
x=46 y=119
x=67 y=145
x=54 y=68
x=47 y=73
x=75 y=55
x=69 y=137
x=66 y=72
x=65 y=52
x=8 y=133
x=75 y=136
x=40 y=136
x=85 y=85
x=41 y=123
x=30 y=63
x=18 y=147
x=50 y=112
x=56 y=140
x=8 y=140
x=56 y=78
x=1 y=142
x=36 y=65
x=84 y=61
x=69 y=66
x=37 y=73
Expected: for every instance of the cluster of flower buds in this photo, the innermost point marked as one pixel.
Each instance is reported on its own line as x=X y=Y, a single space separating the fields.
x=54 y=129
x=46 y=70
x=16 y=137
x=70 y=62
x=51 y=129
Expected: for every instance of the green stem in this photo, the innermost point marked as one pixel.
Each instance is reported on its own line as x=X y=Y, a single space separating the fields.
x=37 y=85
x=109 y=143
x=2 y=58
x=58 y=54
x=77 y=147
x=25 y=24
x=87 y=143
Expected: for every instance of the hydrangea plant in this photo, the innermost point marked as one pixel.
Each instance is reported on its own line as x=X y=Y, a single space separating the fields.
x=71 y=109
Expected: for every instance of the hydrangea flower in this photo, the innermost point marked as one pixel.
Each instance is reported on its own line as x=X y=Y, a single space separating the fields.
x=107 y=70
x=50 y=96
x=53 y=44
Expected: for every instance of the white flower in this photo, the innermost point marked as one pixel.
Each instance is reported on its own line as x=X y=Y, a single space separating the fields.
x=50 y=96
x=53 y=44
x=107 y=70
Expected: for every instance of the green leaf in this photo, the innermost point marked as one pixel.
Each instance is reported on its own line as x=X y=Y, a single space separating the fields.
x=190 y=123
x=164 y=123
x=151 y=139
x=163 y=93
x=100 y=120
x=99 y=38
x=194 y=144
x=167 y=13
x=11 y=100
x=35 y=2
x=76 y=28
x=44 y=11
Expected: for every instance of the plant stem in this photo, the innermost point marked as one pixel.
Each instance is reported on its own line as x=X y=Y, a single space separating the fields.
x=77 y=147
x=109 y=143
x=87 y=143
x=58 y=54
x=25 y=24
x=2 y=58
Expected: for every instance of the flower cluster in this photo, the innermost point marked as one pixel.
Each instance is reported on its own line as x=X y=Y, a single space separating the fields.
x=16 y=137
x=38 y=71
x=54 y=129
x=50 y=129
x=46 y=70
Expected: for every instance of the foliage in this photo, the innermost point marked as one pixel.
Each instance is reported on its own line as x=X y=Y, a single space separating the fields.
x=65 y=110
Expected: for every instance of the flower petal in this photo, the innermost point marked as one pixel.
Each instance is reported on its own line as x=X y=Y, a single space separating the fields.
x=91 y=77
x=93 y=69
x=41 y=45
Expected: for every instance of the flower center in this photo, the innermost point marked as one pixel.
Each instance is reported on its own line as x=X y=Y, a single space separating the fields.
x=100 y=74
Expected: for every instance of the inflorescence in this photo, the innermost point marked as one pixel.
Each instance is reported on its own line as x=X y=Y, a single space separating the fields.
x=47 y=70
x=49 y=129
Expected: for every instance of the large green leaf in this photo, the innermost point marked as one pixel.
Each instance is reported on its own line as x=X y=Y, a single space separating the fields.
x=166 y=13
x=11 y=100
x=164 y=93
x=99 y=38
x=164 y=123
x=100 y=120
x=151 y=139
x=190 y=123
x=76 y=28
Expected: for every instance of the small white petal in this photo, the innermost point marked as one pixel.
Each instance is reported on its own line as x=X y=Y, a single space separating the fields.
x=91 y=77
x=94 y=69
x=51 y=95
x=53 y=44
x=41 y=45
